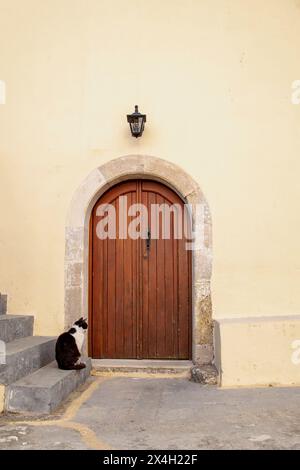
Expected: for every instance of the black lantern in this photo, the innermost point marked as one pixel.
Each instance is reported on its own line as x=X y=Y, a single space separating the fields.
x=136 y=122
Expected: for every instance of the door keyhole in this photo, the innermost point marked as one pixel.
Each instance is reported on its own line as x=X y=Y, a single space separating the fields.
x=148 y=242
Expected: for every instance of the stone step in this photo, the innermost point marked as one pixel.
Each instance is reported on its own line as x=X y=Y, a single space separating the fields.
x=44 y=390
x=15 y=326
x=3 y=304
x=25 y=355
x=142 y=366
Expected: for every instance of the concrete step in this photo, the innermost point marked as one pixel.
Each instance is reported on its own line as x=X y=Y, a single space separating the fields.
x=15 y=326
x=44 y=390
x=25 y=355
x=3 y=304
x=141 y=366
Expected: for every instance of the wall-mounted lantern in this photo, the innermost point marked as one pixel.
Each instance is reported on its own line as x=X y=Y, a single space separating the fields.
x=136 y=122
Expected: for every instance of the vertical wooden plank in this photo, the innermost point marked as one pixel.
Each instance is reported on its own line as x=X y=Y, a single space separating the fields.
x=175 y=297
x=160 y=289
x=99 y=286
x=119 y=289
x=145 y=285
x=169 y=293
x=183 y=301
x=137 y=266
x=135 y=280
x=111 y=295
x=129 y=313
x=152 y=292
x=90 y=290
x=102 y=298
x=127 y=337
x=190 y=270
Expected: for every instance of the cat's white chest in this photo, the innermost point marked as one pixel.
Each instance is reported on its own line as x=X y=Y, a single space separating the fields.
x=79 y=337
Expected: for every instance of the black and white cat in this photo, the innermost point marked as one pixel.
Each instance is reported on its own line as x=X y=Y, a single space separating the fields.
x=68 y=346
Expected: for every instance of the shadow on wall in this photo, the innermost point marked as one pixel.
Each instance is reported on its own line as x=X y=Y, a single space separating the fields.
x=217 y=350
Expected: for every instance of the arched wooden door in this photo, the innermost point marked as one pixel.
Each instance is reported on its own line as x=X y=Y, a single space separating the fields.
x=140 y=288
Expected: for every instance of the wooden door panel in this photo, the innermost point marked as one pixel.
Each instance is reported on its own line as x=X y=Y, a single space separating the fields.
x=183 y=299
x=114 y=290
x=140 y=299
x=165 y=336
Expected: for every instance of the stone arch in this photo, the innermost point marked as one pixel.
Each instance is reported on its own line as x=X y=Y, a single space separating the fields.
x=77 y=239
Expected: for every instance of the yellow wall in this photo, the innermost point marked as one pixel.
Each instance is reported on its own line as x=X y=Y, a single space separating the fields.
x=264 y=351
x=213 y=76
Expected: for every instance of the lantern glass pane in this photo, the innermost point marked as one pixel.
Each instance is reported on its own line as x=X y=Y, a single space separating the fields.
x=135 y=126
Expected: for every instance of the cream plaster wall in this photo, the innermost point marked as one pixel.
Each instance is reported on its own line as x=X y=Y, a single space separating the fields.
x=258 y=351
x=214 y=78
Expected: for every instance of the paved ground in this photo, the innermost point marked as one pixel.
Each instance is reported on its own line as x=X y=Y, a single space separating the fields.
x=162 y=413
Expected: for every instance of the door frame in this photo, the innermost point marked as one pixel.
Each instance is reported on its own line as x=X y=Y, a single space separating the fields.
x=77 y=238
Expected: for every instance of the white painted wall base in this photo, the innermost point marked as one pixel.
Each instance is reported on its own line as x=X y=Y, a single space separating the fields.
x=258 y=351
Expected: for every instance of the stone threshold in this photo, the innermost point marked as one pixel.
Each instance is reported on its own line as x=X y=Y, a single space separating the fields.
x=143 y=365
x=202 y=374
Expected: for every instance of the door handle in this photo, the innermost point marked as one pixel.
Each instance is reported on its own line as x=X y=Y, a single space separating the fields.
x=148 y=242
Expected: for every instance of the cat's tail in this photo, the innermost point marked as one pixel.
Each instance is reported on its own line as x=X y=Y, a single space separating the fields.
x=79 y=366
